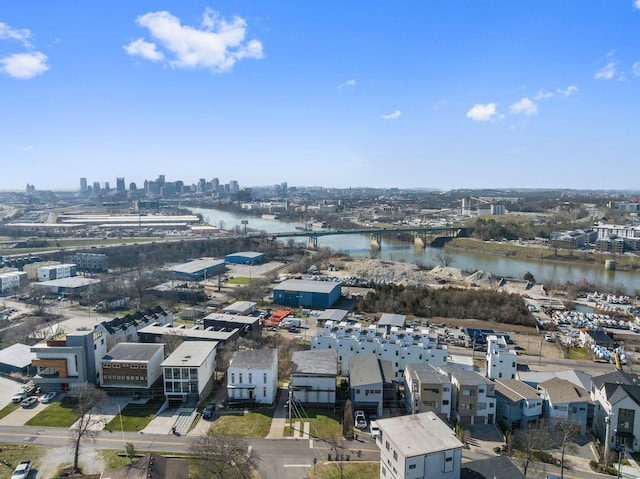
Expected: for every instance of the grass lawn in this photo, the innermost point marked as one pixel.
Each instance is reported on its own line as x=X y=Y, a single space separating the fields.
x=112 y=460
x=135 y=417
x=12 y=454
x=239 y=280
x=8 y=409
x=253 y=424
x=578 y=353
x=57 y=414
x=351 y=470
x=323 y=425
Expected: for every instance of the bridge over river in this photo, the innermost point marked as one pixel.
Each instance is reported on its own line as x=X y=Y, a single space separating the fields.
x=423 y=235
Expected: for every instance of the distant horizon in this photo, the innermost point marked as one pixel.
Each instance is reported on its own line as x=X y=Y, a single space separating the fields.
x=459 y=94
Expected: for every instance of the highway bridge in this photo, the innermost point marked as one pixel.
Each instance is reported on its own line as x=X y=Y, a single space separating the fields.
x=422 y=234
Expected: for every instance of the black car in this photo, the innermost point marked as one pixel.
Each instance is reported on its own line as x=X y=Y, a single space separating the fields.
x=207 y=412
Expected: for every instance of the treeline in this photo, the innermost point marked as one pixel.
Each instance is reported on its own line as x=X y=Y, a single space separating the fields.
x=488 y=228
x=448 y=303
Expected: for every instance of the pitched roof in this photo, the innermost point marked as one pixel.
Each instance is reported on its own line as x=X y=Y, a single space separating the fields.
x=133 y=352
x=253 y=359
x=368 y=369
x=618 y=392
x=562 y=391
x=151 y=466
x=515 y=390
x=615 y=377
x=315 y=361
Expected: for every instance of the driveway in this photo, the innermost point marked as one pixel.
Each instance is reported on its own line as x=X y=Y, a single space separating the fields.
x=21 y=415
x=8 y=388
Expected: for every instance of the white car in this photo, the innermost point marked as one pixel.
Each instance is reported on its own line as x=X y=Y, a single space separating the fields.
x=360 y=420
x=28 y=402
x=375 y=429
x=22 y=470
x=48 y=397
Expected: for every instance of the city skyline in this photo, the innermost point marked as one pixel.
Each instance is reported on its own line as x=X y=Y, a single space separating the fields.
x=460 y=94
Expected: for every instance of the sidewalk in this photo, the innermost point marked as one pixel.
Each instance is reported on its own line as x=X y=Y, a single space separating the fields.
x=279 y=421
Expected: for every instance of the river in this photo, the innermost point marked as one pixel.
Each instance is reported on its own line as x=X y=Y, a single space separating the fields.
x=393 y=250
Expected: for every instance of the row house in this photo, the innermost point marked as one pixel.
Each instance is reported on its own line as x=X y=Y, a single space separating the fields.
x=126 y=328
x=370 y=383
x=427 y=389
x=399 y=346
x=473 y=398
x=58 y=271
x=517 y=404
x=13 y=281
x=188 y=372
x=616 y=398
x=313 y=378
x=564 y=402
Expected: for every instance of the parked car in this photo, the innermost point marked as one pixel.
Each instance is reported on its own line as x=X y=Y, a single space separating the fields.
x=375 y=429
x=48 y=397
x=22 y=470
x=29 y=401
x=360 y=419
x=18 y=397
x=207 y=412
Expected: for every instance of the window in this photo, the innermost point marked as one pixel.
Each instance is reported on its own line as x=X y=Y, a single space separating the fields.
x=233 y=378
x=448 y=461
x=482 y=405
x=264 y=392
x=134 y=366
x=106 y=365
x=240 y=378
x=116 y=366
x=395 y=455
x=445 y=402
x=468 y=392
x=386 y=445
x=143 y=366
x=264 y=378
x=412 y=466
x=250 y=378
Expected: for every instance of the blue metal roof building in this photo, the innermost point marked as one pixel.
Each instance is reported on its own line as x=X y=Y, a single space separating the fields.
x=245 y=257
x=313 y=294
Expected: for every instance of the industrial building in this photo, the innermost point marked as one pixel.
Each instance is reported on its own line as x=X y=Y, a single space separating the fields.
x=198 y=269
x=307 y=293
x=245 y=257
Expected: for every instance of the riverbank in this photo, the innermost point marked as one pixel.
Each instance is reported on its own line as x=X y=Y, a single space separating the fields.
x=624 y=262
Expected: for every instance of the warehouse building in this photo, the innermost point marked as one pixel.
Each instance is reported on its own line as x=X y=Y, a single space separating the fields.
x=306 y=293
x=245 y=257
x=198 y=269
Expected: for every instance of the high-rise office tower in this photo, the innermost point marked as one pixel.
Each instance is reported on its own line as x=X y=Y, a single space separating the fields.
x=120 y=185
x=83 y=185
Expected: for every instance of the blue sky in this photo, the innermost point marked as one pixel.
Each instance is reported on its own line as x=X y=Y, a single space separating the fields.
x=434 y=94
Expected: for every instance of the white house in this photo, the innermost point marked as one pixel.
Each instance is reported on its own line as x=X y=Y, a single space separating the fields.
x=58 y=271
x=188 y=371
x=253 y=376
x=502 y=362
x=13 y=280
x=399 y=346
x=418 y=446
x=564 y=402
x=313 y=380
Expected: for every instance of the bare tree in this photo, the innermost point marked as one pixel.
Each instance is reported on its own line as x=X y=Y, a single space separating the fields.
x=86 y=396
x=223 y=457
x=565 y=431
x=529 y=442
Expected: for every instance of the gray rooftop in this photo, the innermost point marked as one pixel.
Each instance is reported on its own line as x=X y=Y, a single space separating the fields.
x=316 y=361
x=389 y=319
x=426 y=373
x=197 y=265
x=534 y=378
x=515 y=390
x=133 y=352
x=561 y=391
x=464 y=376
x=308 y=286
x=253 y=359
x=195 y=332
x=365 y=369
x=190 y=353
x=333 y=315
x=17 y=355
x=419 y=434
x=72 y=282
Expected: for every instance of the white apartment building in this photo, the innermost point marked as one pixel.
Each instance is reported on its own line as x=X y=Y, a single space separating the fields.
x=418 y=446
x=57 y=271
x=188 y=371
x=253 y=376
x=12 y=281
x=502 y=362
x=399 y=346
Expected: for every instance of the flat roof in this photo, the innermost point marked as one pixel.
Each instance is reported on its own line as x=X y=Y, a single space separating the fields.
x=390 y=319
x=197 y=265
x=207 y=334
x=190 y=353
x=308 y=286
x=72 y=282
x=315 y=361
x=232 y=318
x=419 y=434
x=240 y=306
x=133 y=352
x=246 y=254
x=17 y=355
x=333 y=315
x=253 y=359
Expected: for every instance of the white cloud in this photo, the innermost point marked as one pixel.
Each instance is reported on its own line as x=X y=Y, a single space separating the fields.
x=348 y=83
x=8 y=33
x=609 y=70
x=28 y=148
x=217 y=45
x=543 y=95
x=637 y=4
x=24 y=66
x=481 y=112
x=437 y=105
x=144 y=49
x=636 y=67
x=392 y=116
x=524 y=107
x=567 y=92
